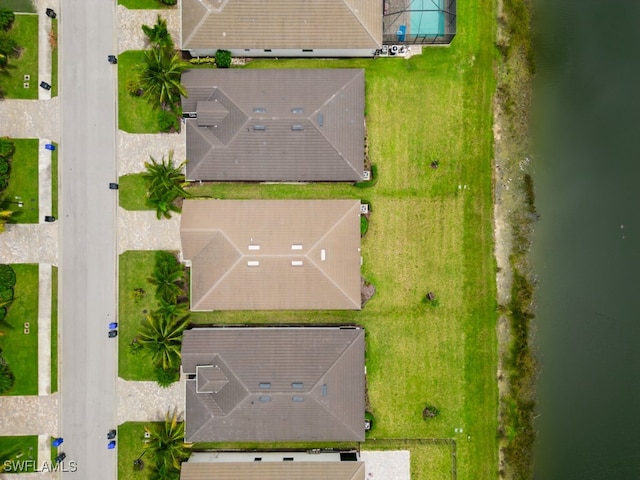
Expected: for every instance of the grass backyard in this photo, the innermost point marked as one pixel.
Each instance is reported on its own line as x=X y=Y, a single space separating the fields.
x=23 y=182
x=430 y=230
x=20 y=349
x=25 y=32
x=19 y=449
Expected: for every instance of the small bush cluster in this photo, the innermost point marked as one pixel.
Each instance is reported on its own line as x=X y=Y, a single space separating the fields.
x=168 y=121
x=7 y=282
x=169 y=3
x=6 y=19
x=430 y=412
x=223 y=58
x=7 y=149
x=201 y=60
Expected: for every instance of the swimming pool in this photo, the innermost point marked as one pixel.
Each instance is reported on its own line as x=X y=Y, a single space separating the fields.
x=427 y=17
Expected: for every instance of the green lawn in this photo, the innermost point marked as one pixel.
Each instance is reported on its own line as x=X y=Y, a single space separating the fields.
x=19 y=449
x=54 y=58
x=132 y=193
x=130 y=447
x=54 y=181
x=135 y=114
x=23 y=182
x=25 y=32
x=425 y=234
x=135 y=268
x=143 y=4
x=20 y=349
x=54 y=329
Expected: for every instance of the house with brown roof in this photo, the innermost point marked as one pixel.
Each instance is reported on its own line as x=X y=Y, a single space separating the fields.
x=274 y=384
x=278 y=28
x=272 y=254
x=274 y=125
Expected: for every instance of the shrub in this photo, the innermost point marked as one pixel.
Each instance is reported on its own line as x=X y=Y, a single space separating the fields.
x=168 y=2
x=4 y=181
x=430 y=412
x=166 y=377
x=6 y=18
x=7 y=147
x=223 y=58
x=8 y=45
x=4 y=166
x=6 y=377
x=135 y=347
x=133 y=88
x=364 y=225
x=7 y=276
x=6 y=295
x=138 y=294
x=168 y=121
x=3 y=314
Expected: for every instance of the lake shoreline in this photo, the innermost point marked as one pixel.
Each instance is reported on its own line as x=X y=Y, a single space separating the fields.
x=514 y=216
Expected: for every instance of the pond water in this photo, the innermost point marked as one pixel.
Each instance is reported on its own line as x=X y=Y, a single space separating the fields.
x=586 y=127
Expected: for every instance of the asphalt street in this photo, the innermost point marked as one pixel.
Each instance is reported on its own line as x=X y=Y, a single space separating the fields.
x=88 y=262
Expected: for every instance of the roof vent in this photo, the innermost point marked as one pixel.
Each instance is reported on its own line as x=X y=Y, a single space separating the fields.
x=323 y=254
x=265 y=385
x=296 y=246
x=296 y=263
x=297 y=385
x=259 y=110
x=324 y=389
x=297 y=110
x=297 y=128
x=298 y=399
x=254 y=247
x=320 y=119
x=253 y=263
x=264 y=398
x=259 y=128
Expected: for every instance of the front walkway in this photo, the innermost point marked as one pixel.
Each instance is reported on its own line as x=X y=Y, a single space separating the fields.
x=130 y=35
x=30 y=243
x=134 y=149
x=147 y=402
x=141 y=230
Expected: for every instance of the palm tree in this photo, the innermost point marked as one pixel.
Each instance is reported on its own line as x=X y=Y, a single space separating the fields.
x=170 y=310
x=165 y=183
x=160 y=77
x=5 y=217
x=167 y=278
x=159 y=35
x=166 y=444
x=162 y=472
x=163 y=338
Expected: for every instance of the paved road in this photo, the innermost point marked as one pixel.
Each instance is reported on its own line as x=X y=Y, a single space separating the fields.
x=88 y=235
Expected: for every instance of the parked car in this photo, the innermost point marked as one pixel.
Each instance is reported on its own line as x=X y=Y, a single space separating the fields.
x=112 y=434
x=111 y=445
x=113 y=333
x=60 y=457
x=112 y=59
x=57 y=442
x=113 y=325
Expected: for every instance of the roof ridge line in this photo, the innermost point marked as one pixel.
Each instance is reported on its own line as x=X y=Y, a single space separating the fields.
x=358 y=19
x=320 y=269
x=327 y=102
x=228 y=270
x=197 y=27
x=332 y=366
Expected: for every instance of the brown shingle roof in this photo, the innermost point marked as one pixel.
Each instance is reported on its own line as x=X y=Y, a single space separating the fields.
x=272 y=254
x=317 y=24
x=273 y=471
x=283 y=384
x=275 y=125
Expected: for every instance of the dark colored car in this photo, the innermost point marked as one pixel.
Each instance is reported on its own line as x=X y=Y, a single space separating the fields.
x=112 y=59
x=113 y=333
x=45 y=85
x=111 y=435
x=60 y=457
